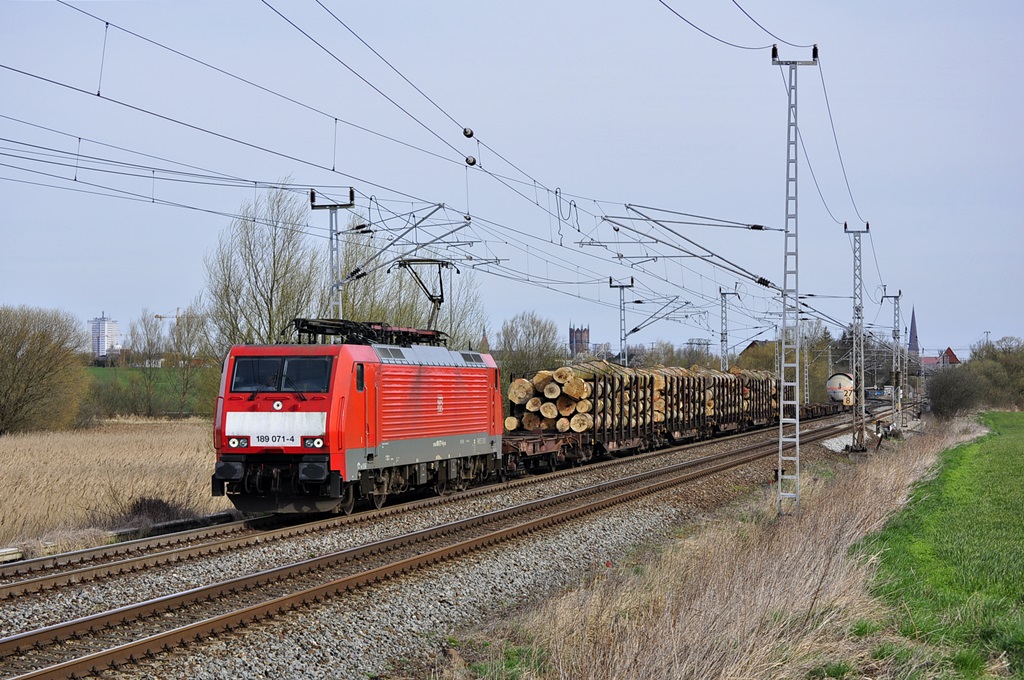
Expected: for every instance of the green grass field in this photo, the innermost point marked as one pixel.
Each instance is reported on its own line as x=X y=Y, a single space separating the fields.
x=119 y=391
x=952 y=564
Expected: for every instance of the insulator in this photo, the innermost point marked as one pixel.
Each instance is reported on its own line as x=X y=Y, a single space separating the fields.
x=470 y=160
x=468 y=132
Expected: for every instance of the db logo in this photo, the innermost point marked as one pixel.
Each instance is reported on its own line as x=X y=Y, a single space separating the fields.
x=440 y=404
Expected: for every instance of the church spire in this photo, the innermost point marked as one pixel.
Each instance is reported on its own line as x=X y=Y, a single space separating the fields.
x=912 y=346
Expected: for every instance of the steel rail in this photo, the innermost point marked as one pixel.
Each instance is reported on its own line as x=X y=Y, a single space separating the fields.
x=148 y=560
x=126 y=652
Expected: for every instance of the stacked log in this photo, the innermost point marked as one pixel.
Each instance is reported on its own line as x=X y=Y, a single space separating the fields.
x=678 y=396
x=581 y=398
x=599 y=396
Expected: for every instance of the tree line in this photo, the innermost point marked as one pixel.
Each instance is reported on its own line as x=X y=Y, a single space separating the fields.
x=266 y=270
x=993 y=378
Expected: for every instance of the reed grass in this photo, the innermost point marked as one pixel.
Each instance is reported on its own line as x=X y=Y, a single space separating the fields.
x=64 y=488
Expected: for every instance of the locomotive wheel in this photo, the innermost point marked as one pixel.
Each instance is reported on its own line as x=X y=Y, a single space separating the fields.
x=378 y=499
x=348 y=501
x=441 y=488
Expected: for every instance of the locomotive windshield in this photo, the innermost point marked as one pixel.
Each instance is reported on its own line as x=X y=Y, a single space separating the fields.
x=281 y=374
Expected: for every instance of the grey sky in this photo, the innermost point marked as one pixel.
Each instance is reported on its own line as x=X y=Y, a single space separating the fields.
x=609 y=104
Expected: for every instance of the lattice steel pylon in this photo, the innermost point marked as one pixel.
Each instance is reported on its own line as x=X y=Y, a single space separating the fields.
x=788 y=470
x=859 y=415
x=723 y=362
x=623 y=352
x=897 y=382
x=335 y=245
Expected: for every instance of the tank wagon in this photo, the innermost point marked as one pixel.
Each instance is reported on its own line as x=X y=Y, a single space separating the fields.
x=839 y=387
x=352 y=411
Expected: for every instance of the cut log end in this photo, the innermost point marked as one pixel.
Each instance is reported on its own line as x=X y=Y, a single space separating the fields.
x=520 y=391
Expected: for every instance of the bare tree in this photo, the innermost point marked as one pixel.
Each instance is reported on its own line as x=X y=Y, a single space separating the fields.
x=463 y=315
x=186 y=352
x=42 y=379
x=527 y=342
x=146 y=343
x=265 y=272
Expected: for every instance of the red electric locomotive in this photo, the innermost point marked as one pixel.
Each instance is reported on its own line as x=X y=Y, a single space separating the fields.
x=353 y=411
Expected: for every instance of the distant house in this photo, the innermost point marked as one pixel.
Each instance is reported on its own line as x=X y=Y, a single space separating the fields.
x=944 y=359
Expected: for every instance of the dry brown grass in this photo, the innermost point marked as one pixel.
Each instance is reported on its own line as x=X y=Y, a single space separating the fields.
x=747 y=596
x=62 y=487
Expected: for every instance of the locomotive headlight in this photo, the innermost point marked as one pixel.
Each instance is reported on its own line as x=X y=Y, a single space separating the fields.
x=238 y=442
x=311 y=443
x=318 y=443
x=233 y=442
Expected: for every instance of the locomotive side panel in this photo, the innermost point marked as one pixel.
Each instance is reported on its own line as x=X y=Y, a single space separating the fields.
x=424 y=414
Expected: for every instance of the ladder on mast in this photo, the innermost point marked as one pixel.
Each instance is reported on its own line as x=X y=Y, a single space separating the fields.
x=788 y=468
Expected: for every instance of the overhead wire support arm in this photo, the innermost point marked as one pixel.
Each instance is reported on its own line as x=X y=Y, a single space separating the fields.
x=728 y=265
x=361 y=271
x=657 y=316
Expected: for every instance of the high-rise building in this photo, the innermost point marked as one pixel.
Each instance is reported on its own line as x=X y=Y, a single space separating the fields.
x=105 y=335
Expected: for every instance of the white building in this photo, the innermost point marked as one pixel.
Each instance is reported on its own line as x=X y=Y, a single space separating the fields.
x=105 y=334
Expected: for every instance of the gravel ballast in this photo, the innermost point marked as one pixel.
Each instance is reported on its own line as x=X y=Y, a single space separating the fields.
x=407 y=621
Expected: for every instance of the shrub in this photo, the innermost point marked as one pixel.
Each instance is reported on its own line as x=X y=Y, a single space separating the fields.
x=954 y=391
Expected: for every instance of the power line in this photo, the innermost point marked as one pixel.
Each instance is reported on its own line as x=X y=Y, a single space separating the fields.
x=713 y=37
x=199 y=128
x=828 y=107
x=261 y=88
x=501 y=179
x=765 y=29
x=358 y=75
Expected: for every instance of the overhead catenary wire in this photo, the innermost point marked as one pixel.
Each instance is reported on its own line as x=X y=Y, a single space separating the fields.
x=199 y=128
x=362 y=78
x=262 y=88
x=758 y=24
x=513 y=181
x=502 y=179
x=713 y=37
x=828 y=108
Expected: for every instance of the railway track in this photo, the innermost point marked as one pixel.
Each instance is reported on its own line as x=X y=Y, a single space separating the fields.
x=30 y=577
x=109 y=638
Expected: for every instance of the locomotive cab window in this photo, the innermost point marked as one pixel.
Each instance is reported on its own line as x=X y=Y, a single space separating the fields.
x=281 y=374
x=359 y=378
